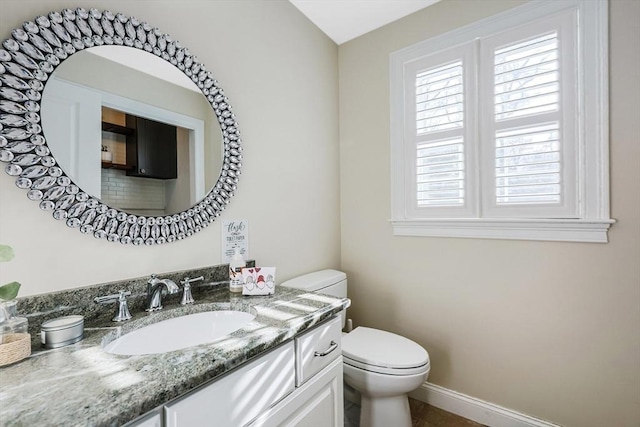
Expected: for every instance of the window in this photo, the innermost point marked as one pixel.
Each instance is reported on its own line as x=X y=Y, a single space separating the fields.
x=499 y=129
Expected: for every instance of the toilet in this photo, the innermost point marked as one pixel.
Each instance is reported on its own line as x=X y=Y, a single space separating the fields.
x=381 y=366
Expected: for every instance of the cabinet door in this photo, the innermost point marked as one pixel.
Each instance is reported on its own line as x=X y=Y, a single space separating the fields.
x=240 y=396
x=153 y=149
x=318 y=403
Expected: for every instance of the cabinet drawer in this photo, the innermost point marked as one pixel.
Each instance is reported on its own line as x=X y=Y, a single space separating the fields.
x=317 y=348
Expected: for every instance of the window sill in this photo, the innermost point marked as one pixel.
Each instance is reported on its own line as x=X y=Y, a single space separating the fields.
x=557 y=230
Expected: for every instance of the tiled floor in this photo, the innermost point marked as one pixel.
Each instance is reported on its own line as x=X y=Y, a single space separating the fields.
x=422 y=415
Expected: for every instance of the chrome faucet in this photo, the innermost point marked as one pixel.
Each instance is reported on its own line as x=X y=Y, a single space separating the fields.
x=154 y=292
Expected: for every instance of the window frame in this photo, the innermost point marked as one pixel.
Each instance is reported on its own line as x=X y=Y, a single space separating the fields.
x=592 y=219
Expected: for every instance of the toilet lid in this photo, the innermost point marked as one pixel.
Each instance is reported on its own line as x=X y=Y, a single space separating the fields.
x=374 y=347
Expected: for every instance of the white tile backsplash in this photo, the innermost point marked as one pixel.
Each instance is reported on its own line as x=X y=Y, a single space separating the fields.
x=136 y=195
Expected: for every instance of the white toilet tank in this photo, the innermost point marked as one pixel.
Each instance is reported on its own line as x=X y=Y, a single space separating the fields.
x=330 y=282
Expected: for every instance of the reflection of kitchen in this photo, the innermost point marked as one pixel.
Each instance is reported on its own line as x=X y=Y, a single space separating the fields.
x=72 y=104
x=149 y=169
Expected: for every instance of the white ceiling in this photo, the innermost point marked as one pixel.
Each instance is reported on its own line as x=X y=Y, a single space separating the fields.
x=343 y=20
x=145 y=62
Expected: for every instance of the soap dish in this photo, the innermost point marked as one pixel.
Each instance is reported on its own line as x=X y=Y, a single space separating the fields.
x=62 y=331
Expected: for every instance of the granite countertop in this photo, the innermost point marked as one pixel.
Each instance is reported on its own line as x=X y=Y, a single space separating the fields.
x=81 y=385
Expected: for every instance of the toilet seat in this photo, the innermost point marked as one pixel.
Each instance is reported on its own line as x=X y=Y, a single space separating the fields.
x=383 y=352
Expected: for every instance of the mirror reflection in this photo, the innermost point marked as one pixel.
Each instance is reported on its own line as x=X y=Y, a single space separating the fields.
x=133 y=130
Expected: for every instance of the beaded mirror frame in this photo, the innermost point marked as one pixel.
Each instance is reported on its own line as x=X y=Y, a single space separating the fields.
x=30 y=56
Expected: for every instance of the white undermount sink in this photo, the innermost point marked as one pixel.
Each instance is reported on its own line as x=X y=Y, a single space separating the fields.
x=179 y=332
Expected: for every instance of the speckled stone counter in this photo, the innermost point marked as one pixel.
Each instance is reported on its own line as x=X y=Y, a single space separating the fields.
x=81 y=385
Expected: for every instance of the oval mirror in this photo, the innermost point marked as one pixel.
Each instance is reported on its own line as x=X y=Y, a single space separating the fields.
x=75 y=126
x=92 y=95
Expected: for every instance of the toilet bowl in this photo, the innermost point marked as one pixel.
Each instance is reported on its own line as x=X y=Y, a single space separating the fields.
x=381 y=366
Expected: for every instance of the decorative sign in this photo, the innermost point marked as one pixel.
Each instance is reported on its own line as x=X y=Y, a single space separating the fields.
x=235 y=234
x=258 y=280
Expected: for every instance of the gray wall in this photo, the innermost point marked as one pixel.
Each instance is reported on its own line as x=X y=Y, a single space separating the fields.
x=547 y=329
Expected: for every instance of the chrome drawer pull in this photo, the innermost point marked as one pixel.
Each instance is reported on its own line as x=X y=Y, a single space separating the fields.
x=332 y=347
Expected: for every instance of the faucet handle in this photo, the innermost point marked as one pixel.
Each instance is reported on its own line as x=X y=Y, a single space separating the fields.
x=123 y=310
x=187 y=280
x=187 y=298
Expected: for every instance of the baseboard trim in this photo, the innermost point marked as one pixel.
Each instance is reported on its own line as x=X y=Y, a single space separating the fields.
x=475 y=409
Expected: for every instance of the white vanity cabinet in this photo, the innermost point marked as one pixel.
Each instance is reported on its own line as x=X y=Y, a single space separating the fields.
x=317 y=403
x=297 y=384
x=318 y=397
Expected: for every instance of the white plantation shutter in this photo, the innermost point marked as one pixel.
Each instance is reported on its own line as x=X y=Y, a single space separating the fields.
x=527 y=82
x=528 y=165
x=526 y=77
x=529 y=159
x=440 y=173
x=440 y=164
x=439 y=99
x=440 y=129
x=499 y=129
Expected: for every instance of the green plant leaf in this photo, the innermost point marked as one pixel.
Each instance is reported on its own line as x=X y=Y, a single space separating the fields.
x=9 y=291
x=6 y=253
